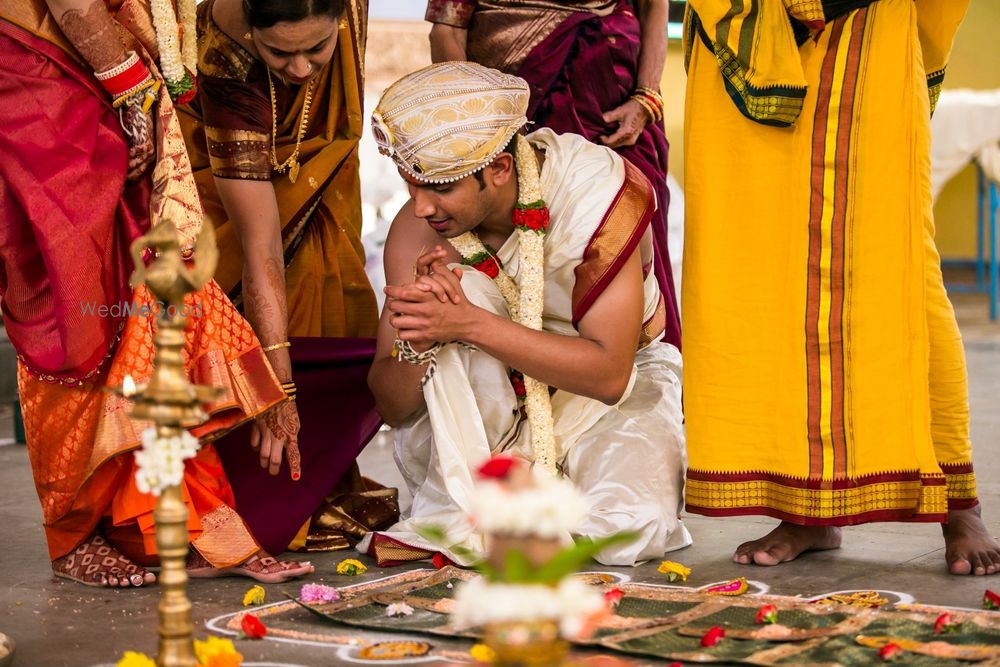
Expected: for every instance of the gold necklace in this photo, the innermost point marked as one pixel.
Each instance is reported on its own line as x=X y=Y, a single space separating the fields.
x=292 y=163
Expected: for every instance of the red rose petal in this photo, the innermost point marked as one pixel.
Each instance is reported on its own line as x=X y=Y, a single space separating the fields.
x=767 y=614
x=991 y=600
x=713 y=636
x=252 y=627
x=889 y=652
x=497 y=467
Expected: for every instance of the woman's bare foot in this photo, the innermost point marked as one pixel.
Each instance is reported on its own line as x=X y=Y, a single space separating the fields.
x=97 y=563
x=785 y=543
x=969 y=547
x=261 y=566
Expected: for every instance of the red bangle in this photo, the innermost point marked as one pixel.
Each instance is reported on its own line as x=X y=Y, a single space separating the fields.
x=120 y=82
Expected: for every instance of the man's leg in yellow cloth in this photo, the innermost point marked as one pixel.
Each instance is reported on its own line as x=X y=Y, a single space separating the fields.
x=969 y=546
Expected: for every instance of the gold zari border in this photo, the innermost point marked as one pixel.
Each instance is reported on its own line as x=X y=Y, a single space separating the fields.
x=883 y=496
x=961 y=486
x=225 y=540
x=238 y=153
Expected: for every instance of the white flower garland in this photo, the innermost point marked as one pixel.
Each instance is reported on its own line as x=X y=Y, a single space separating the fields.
x=526 y=299
x=479 y=603
x=160 y=461
x=177 y=61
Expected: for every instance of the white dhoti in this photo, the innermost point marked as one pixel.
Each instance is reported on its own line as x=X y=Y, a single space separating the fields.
x=628 y=459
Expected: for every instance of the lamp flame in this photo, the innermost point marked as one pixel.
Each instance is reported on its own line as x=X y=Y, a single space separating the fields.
x=128 y=386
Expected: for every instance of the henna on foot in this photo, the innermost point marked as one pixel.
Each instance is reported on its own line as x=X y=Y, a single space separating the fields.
x=97 y=563
x=787 y=542
x=969 y=546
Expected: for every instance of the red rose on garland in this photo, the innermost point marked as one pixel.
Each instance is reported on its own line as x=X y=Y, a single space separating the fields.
x=517 y=381
x=489 y=266
x=991 y=600
x=189 y=94
x=252 y=627
x=535 y=219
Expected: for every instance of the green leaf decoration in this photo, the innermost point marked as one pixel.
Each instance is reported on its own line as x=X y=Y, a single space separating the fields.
x=517 y=568
x=571 y=559
x=432 y=533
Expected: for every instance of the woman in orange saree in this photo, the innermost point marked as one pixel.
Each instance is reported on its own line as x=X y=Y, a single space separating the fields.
x=81 y=180
x=273 y=137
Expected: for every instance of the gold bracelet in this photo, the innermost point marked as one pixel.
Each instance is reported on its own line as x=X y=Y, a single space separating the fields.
x=277 y=346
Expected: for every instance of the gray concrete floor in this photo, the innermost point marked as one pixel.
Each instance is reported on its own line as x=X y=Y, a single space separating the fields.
x=62 y=624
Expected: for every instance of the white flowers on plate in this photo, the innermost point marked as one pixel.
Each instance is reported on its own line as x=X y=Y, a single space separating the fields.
x=399 y=609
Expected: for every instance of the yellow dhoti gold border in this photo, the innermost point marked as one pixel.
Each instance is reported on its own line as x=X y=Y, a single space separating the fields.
x=891 y=497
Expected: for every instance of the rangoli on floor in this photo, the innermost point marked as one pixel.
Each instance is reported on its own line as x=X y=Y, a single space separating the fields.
x=664 y=622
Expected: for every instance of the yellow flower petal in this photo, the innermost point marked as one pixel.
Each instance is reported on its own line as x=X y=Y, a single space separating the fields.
x=483 y=653
x=254 y=596
x=133 y=659
x=215 y=652
x=674 y=571
x=351 y=567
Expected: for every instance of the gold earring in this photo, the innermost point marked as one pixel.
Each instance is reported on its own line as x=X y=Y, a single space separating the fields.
x=248 y=36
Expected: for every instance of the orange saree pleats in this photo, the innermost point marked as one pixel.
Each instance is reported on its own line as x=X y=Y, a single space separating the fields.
x=79 y=437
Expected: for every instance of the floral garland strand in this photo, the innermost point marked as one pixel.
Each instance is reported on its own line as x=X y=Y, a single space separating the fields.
x=475 y=254
x=524 y=301
x=160 y=461
x=177 y=38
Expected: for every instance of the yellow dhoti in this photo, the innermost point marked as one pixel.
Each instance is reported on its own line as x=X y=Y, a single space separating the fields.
x=825 y=379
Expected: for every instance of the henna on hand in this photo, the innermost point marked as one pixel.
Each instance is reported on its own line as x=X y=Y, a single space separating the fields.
x=93 y=34
x=283 y=423
x=267 y=309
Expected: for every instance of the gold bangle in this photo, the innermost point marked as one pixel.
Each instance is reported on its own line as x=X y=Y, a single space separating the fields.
x=647 y=107
x=277 y=346
x=655 y=94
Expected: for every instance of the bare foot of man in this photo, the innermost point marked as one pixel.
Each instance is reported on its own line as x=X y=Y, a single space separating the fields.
x=261 y=566
x=97 y=563
x=785 y=543
x=969 y=547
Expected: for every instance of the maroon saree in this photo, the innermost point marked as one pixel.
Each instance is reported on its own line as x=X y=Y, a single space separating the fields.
x=338 y=419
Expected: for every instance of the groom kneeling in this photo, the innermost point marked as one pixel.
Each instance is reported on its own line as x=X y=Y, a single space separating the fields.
x=522 y=316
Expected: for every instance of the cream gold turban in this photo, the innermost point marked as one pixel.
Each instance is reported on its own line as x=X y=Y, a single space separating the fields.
x=449 y=120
